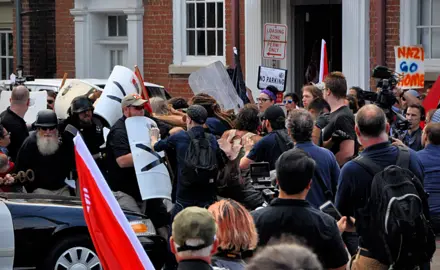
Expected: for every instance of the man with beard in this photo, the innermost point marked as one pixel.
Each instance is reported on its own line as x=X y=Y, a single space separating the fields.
x=81 y=119
x=43 y=153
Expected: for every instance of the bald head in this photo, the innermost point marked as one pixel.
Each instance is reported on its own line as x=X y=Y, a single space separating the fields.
x=20 y=95
x=371 y=121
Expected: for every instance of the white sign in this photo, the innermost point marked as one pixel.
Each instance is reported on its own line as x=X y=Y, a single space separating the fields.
x=272 y=76
x=37 y=102
x=275 y=41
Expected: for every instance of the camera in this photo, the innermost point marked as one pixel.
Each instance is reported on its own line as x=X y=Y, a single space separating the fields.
x=385 y=99
x=263 y=180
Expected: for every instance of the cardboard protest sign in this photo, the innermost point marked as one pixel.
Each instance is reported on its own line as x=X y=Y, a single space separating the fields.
x=37 y=102
x=272 y=76
x=410 y=64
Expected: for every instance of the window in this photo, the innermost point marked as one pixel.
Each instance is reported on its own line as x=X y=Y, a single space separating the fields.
x=117 y=26
x=428 y=27
x=116 y=59
x=204 y=28
x=6 y=54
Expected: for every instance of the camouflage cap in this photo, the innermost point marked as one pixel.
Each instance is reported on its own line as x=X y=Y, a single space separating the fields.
x=193 y=228
x=132 y=100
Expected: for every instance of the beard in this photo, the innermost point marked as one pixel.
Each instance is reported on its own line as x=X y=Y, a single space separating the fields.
x=47 y=145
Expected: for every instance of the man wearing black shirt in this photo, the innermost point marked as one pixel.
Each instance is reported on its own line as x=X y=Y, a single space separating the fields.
x=341 y=118
x=292 y=214
x=121 y=172
x=12 y=119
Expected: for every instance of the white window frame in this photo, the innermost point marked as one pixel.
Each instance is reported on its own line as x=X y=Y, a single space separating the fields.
x=180 y=56
x=7 y=56
x=408 y=30
x=117 y=27
x=109 y=49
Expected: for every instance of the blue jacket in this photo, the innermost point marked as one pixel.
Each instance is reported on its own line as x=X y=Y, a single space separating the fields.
x=430 y=158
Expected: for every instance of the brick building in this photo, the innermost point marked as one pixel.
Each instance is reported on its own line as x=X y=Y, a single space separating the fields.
x=169 y=39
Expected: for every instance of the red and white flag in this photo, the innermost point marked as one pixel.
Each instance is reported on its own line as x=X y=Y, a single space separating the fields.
x=323 y=66
x=114 y=239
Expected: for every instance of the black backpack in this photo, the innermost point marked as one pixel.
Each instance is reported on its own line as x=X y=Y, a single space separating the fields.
x=395 y=219
x=200 y=167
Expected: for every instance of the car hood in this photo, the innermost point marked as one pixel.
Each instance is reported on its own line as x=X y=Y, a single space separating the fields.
x=49 y=200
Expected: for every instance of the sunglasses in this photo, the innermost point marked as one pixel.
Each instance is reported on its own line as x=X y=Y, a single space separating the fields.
x=50 y=101
x=288 y=101
x=47 y=128
x=137 y=108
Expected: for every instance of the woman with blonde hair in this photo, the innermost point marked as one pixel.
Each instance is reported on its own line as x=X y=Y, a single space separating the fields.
x=236 y=233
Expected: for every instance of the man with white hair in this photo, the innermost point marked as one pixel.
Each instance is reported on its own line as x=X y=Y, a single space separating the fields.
x=193 y=239
x=43 y=153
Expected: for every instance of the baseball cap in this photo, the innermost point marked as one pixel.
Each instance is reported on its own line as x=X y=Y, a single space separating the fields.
x=193 y=228
x=197 y=113
x=274 y=113
x=133 y=100
x=436 y=117
x=414 y=93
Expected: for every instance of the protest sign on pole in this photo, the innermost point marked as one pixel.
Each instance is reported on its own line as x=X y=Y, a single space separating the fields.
x=410 y=64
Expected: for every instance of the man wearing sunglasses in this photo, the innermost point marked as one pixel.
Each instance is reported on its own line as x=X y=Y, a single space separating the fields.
x=121 y=173
x=43 y=153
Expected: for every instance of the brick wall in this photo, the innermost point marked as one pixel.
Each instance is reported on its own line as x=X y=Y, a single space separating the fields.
x=392 y=21
x=158 y=45
x=65 y=38
x=38 y=38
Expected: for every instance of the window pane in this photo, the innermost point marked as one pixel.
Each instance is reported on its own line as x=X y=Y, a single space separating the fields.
x=112 y=59
x=435 y=12
x=423 y=38
x=11 y=45
x=190 y=16
x=210 y=14
x=435 y=43
x=120 y=58
x=11 y=66
x=201 y=15
x=424 y=12
x=122 y=26
x=201 y=43
x=112 y=26
x=3 y=44
x=220 y=45
x=3 y=69
x=211 y=43
x=220 y=15
x=190 y=42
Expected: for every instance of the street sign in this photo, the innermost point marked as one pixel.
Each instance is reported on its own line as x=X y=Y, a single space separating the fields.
x=275 y=41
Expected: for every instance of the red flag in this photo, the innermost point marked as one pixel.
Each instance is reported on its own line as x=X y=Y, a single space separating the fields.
x=144 y=89
x=114 y=239
x=433 y=97
x=323 y=66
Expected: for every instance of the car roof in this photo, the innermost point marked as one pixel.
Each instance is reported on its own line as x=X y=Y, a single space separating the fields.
x=57 y=82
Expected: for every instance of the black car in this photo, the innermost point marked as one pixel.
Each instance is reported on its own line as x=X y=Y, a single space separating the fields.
x=50 y=232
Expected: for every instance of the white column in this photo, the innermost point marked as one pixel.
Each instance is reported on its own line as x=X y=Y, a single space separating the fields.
x=408 y=22
x=356 y=42
x=135 y=35
x=253 y=43
x=82 y=47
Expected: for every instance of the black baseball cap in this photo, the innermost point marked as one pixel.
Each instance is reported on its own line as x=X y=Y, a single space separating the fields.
x=197 y=113
x=274 y=113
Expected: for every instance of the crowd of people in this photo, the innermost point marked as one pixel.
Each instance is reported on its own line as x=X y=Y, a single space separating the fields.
x=330 y=148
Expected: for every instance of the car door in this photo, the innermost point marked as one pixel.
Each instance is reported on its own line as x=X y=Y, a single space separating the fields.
x=7 y=238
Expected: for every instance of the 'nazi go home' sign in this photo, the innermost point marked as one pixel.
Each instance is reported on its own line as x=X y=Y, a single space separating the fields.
x=275 y=41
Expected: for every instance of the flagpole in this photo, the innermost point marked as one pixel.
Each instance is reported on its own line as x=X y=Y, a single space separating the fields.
x=236 y=30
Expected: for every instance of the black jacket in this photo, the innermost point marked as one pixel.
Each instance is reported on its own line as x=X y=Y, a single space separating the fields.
x=50 y=171
x=18 y=129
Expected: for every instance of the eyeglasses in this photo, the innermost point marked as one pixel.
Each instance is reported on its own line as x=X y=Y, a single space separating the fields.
x=50 y=101
x=6 y=134
x=288 y=101
x=262 y=99
x=137 y=108
x=47 y=128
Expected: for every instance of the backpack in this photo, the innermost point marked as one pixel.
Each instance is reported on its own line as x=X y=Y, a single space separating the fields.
x=395 y=218
x=200 y=165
